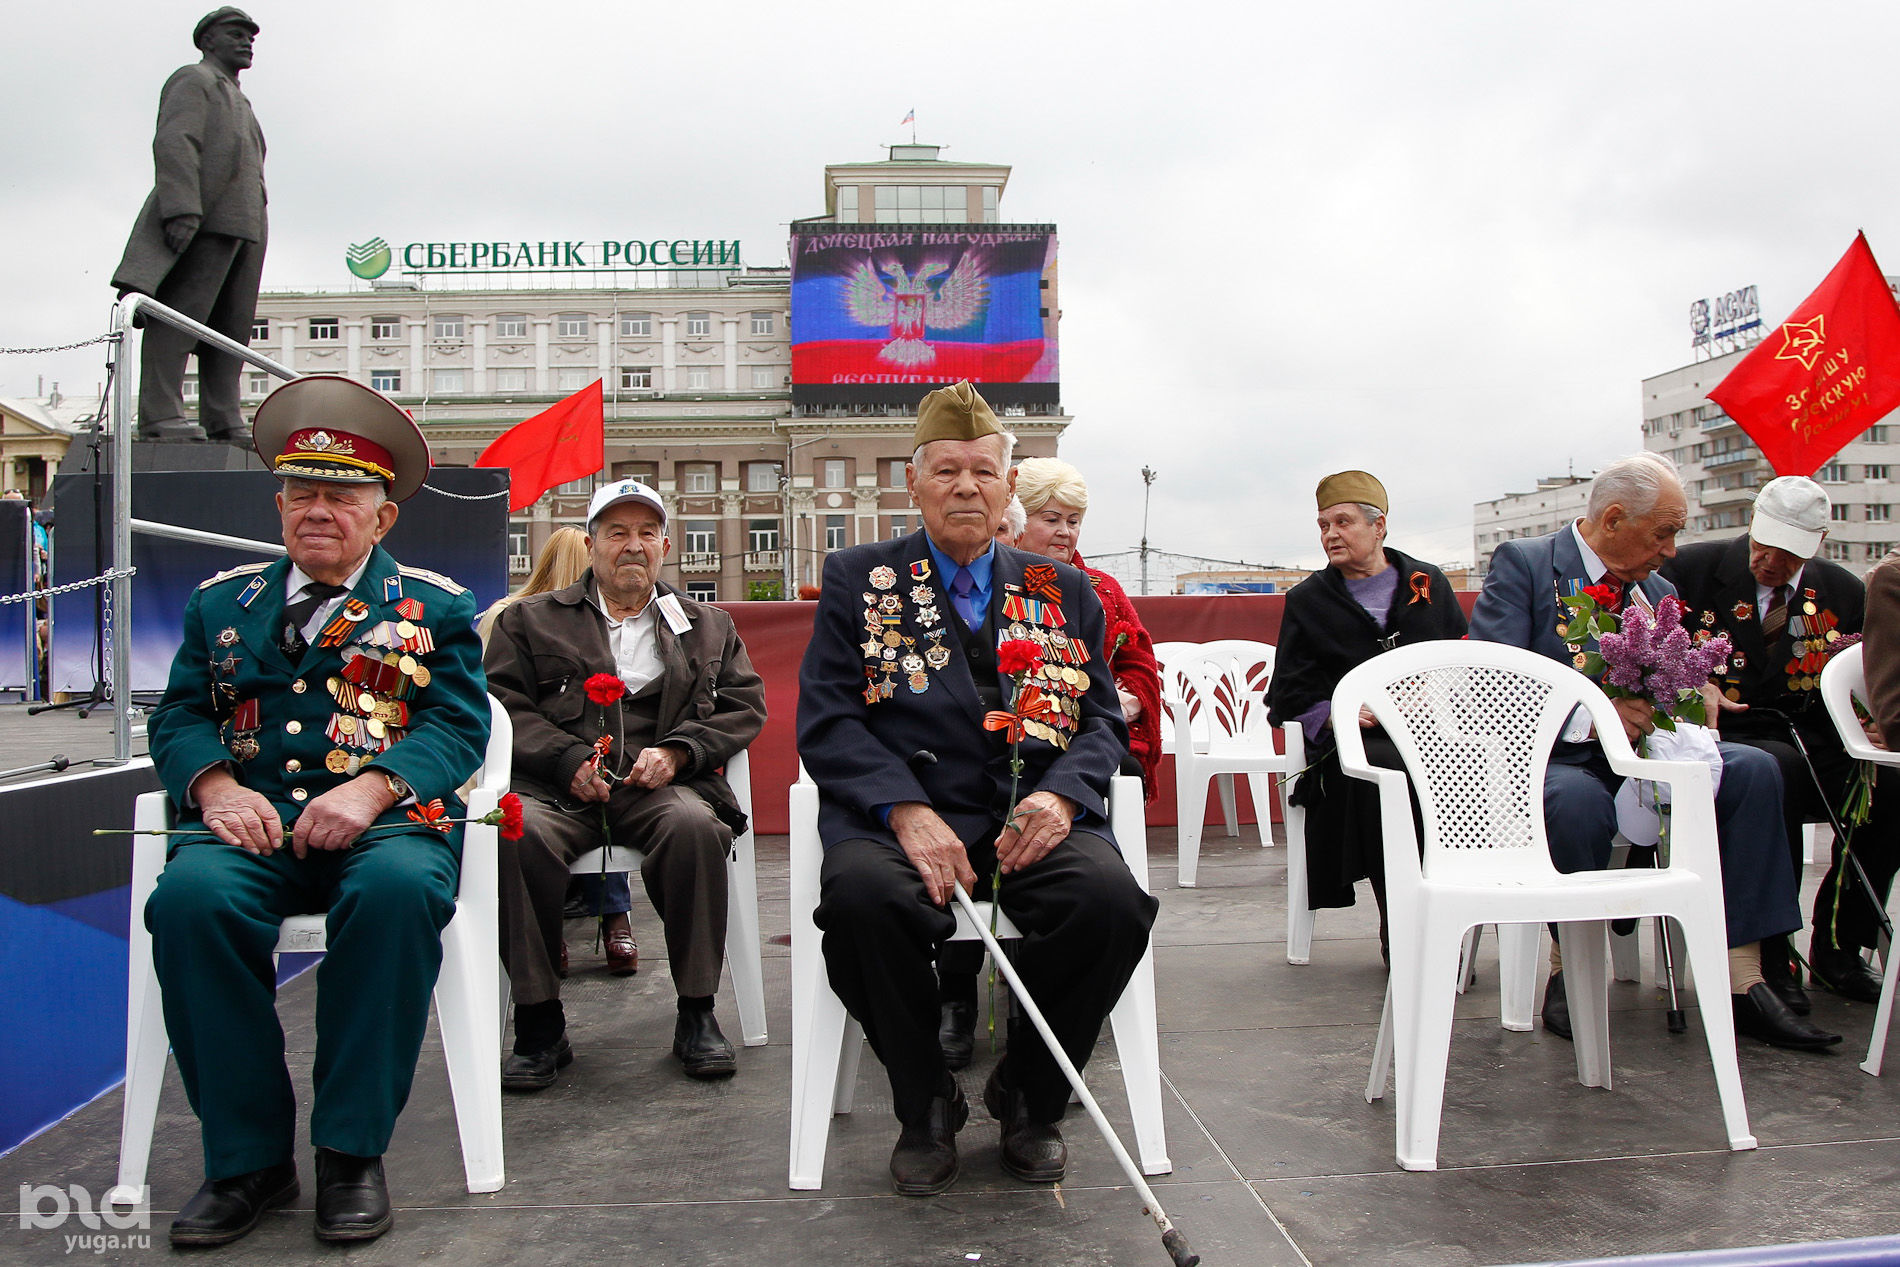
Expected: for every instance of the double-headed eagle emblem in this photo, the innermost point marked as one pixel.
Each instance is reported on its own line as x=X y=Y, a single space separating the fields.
x=944 y=293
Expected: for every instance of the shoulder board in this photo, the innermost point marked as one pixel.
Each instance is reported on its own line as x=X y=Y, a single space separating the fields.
x=434 y=578
x=247 y=569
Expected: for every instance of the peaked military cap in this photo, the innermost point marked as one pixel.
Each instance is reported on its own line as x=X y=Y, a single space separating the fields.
x=327 y=427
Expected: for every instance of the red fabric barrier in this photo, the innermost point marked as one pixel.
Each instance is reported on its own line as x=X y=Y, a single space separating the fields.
x=776 y=633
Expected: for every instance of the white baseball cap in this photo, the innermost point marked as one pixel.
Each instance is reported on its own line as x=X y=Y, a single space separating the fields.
x=624 y=491
x=1791 y=513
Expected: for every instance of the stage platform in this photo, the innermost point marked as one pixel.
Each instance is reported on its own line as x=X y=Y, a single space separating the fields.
x=1278 y=1159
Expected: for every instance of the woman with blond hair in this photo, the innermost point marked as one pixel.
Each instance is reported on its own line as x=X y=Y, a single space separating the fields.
x=564 y=560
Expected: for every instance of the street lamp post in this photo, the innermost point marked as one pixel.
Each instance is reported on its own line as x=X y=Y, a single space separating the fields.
x=1147 y=484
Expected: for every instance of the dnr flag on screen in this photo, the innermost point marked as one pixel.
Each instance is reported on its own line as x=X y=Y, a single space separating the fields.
x=922 y=303
x=1826 y=374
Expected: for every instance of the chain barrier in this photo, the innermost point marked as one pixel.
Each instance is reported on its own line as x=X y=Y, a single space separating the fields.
x=64 y=347
x=465 y=497
x=111 y=574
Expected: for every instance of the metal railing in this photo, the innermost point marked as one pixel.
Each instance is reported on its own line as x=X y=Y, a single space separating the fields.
x=127 y=340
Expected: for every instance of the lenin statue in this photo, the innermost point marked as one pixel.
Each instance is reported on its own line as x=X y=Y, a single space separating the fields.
x=198 y=245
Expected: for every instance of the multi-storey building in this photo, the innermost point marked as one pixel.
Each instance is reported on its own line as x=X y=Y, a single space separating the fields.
x=693 y=349
x=1556 y=501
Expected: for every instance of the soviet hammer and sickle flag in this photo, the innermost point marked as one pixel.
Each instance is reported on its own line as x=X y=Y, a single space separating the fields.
x=1826 y=374
x=564 y=442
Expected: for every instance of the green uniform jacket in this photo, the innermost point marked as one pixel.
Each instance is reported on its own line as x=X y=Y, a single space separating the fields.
x=229 y=655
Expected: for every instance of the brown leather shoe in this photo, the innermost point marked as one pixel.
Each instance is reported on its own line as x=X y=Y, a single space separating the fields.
x=623 y=956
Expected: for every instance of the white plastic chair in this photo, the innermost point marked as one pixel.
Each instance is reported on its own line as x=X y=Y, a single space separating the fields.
x=744 y=958
x=1217 y=698
x=1475 y=722
x=827 y=1043
x=1844 y=679
x=467 y=992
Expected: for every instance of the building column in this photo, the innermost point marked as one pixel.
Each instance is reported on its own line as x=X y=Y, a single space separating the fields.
x=866 y=498
x=543 y=380
x=287 y=353
x=669 y=353
x=732 y=357
x=418 y=376
x=604 y=352
x=478 y=357
x=353 y=354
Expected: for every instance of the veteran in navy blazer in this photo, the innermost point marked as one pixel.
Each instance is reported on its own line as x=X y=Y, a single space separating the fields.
x=1629 y=528
x=897 y=684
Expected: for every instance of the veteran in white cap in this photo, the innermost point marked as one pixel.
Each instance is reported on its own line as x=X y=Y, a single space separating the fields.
x=1784 y=609
x=312 y=700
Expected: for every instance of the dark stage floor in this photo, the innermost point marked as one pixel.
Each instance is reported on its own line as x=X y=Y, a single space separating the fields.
x=1278 y=1159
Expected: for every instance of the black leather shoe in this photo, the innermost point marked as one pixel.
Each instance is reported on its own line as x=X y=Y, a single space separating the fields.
x=535 y=1070
x=1032 y=1151
x=239 y=435
x=1786 y=986
x=924 y=1162
x=1761 y=1014
x=352 y=1199
x=1557 y=1007
x=956 y=1034
x=225 y=1209
x=702 y=1048
x=1845 y=973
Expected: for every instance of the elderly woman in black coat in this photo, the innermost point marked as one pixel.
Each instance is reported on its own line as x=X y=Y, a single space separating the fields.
x=1367 y=599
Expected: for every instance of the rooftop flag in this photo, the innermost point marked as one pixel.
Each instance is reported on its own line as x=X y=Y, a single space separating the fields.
x=1826 y=374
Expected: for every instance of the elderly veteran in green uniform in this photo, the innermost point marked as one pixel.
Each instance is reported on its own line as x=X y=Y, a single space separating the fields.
x=312 y=699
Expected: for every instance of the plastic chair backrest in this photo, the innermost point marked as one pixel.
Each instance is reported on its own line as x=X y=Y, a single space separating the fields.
x=1219 y=691
x=1474 y=723
x=1843 y=682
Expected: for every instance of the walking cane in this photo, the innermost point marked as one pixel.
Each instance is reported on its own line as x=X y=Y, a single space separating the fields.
x=1171 y=1238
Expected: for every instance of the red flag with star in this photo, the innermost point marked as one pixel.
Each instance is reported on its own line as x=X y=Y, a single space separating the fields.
x=1830 y=371
x=565 y=442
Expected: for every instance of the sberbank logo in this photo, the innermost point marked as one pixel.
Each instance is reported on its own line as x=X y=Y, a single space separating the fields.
x=369 y=260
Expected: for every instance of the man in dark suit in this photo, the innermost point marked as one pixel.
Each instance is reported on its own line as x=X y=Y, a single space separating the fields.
x=318 y=706
x=899 y=697
x=198 y=244
x=1629 y=529
x=1783 y=609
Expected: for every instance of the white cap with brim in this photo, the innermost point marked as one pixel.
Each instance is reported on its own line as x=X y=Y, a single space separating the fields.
x=1791 y=513
x=624 y=491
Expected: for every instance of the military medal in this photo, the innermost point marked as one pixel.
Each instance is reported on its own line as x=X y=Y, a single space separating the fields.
x=1742 y=611
x=337 y=761
x=227 y=637
x=410 y=609
x=920 y=570
x=882 y=578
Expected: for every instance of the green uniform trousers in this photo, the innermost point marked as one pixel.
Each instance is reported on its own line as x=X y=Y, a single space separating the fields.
x=214 y=918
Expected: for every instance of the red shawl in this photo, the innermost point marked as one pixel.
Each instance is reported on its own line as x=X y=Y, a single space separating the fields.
x=1131 y=657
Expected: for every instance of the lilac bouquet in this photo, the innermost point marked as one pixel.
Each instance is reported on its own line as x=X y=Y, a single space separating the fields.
x=1653 y=658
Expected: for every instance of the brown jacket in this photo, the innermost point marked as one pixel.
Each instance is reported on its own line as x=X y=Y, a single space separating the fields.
x=545 y=647
x=1880 y=652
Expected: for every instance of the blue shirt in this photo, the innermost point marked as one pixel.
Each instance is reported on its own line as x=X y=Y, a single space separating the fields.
x=980 y=567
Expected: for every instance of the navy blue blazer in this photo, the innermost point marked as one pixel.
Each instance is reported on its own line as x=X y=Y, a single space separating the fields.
x=1518 y=604
x=930 y=745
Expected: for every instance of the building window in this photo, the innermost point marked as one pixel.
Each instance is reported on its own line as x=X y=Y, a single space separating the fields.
x=449 y=325
x=900 y=526
x=385 y=328
x=511 y=380
x=517 y=538
x=698 y=324
x=188 y=390
x=571 y=325
x=1875 y=435
x=1832 y=473
x=636 y=325
x=325 y=329
x=847 y=204
x=833 y=470
x=763 y=323
x=895 y=476
x=389 y=381
x=990 y=195
x=257 y=384
x=636 y=378
x=1836 y=551
x=1879 y=549
x=699 y=477
x=511 y=325
x=761 y=535
x=702 y=536
x=762 y=477
x=647 y=473
x=1877 y=512
x=702 y=591
x=921 y=204
x=1877 y=472
x=573 y=377
x=447 y=382
x=834 y=532
x=762 y=376
x=260 y=331
x=698 y=378
x=1838 y=512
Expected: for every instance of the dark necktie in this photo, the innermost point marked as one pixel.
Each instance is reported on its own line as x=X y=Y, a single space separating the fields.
x=962 y=585
x=1775 y=619
x=297 y=614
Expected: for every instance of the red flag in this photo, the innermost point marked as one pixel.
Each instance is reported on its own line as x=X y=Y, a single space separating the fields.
x=565 y=442
x=1828 y=373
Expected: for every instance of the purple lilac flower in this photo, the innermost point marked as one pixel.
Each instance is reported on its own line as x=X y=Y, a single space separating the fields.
x=1656 y=659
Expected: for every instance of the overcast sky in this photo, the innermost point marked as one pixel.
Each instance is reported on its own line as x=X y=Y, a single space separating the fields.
x=1444 y=243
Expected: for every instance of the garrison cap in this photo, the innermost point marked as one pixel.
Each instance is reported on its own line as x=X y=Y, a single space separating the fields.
x=1351 y=486
x=228 y=13
x=327 y=427
x=954 y=413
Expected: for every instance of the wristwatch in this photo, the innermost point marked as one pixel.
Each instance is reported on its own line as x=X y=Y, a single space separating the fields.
x=397 y=788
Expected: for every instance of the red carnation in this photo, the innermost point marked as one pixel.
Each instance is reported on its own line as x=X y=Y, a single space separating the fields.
x=1018 y=656
x=605 y=688
x=512 y=826
x=1601 y=595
